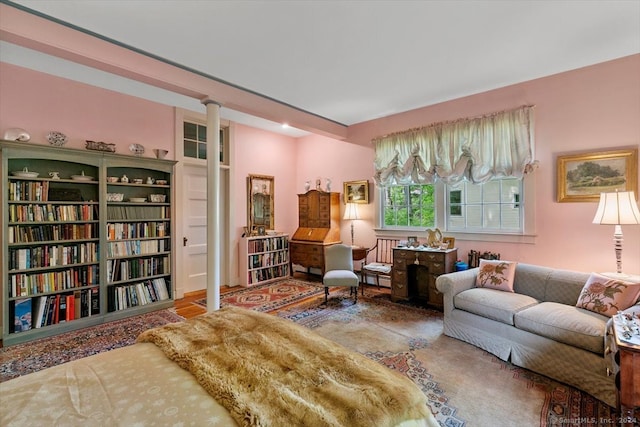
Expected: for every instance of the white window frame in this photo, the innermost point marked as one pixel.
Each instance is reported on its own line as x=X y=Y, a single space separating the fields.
x=527 y=199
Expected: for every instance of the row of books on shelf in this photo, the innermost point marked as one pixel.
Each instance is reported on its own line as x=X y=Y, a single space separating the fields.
x=37 y=191
x=126 y=269
x=142 y=211
x=268 y=244
x=268 y=259
x=48 y=232
x=136 y=294
x=23 y=284
x=52 y=255
x=137 y=247
x=46 y=310
x=135 y=230
x=51 y=212
x=263 y=274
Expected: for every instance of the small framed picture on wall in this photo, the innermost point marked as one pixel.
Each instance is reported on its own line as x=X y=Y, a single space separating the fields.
x=356 y=191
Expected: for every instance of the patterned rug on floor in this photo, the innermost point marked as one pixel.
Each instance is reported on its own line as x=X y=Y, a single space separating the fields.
x=270 y=296
x=465 y=385
x=22 y=359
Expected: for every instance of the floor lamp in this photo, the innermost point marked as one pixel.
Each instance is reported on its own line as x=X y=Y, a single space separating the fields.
x=619 y=208
x=351 y=213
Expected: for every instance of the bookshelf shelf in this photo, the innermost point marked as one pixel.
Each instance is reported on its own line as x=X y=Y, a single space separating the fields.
x=57 y=240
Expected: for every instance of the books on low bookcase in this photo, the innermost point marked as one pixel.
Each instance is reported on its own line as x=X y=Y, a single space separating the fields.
x=264 y=258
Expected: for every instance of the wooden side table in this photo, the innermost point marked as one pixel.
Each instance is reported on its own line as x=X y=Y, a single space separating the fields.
x=627 y=356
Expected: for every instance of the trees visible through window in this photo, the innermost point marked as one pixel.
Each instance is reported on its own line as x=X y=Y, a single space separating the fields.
x=409 y=206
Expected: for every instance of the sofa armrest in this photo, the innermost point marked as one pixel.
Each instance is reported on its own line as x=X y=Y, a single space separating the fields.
x=451 y=284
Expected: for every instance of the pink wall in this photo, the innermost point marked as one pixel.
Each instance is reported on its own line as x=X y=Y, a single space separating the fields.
x=259 y=152
x=321 y=157
x=41 y=103
x=591 y=109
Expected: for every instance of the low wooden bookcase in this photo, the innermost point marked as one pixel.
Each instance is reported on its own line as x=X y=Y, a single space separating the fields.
x=264 y=259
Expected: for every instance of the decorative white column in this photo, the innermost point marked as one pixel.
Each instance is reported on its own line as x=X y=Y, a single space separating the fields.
x=213 y=204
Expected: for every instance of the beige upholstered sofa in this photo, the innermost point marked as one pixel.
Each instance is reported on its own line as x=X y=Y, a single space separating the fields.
x=537 y=327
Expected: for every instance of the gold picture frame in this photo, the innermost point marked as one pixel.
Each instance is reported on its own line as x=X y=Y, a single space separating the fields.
x=448 y=243
x=582 y=177
x=356 y=191
x=260 y=202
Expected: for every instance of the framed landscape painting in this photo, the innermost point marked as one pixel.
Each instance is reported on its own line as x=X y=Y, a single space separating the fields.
x=582 y=177
x=356 y=191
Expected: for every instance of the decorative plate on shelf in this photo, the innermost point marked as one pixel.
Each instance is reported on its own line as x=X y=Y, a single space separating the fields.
x=57 y=139
x=137 y=149
x=25 y=174
x=82 y=177
x=137 y=199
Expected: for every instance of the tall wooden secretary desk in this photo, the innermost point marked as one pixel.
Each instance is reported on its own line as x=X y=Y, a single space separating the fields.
x=318 y=227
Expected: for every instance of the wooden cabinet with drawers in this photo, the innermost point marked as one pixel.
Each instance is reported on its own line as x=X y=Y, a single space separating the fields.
x=318 y=227
x=415 y=271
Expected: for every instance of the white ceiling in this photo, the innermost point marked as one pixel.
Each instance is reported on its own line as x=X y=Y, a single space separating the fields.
x=353 y=61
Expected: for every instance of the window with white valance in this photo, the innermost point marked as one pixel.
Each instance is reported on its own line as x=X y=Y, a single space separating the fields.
x=476 y=149
x=468 y=177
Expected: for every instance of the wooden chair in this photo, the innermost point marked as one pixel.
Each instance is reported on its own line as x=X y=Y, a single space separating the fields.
x=382 y=261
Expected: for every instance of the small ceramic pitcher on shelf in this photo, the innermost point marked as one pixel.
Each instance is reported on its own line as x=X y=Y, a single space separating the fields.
x=150 y=180
x=124 y=178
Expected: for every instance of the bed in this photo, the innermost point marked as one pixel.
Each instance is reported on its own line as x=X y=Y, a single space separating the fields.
x=230 y=367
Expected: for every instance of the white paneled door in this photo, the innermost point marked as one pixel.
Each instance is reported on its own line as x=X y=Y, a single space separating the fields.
x=194 y=197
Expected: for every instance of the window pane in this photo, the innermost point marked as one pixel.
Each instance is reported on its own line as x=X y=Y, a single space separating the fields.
x=474 y=216
x=222 y=145
x=491 y=216
x=202 y=151
x=473 y=193
x=190 y=149
x=402 y=216
x=190 y=131
x=202 y=133
x=455 y=196
x=511 y=218
x=491 y=191
x=459 y=220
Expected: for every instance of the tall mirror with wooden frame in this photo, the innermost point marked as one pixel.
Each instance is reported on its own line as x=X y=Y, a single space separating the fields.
x=260 y=197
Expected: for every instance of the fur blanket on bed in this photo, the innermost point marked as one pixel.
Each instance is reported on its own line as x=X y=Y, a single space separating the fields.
x=268 y=371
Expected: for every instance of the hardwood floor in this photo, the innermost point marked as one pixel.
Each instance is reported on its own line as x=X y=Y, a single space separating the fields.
x=186 y=308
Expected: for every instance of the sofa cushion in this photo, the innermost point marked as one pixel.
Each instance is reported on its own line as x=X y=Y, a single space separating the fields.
x=531 y=280
x=607 y=296
x=496 y=275
x=564 y=323
x=493 y=304
x=564 y=286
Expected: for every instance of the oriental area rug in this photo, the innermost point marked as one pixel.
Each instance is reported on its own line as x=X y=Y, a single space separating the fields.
x=464 y=385
x=269 y=296
x=22 y=359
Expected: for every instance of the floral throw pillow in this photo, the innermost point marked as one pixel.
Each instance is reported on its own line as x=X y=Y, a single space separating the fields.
x=607 y=296
x=495 y=274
